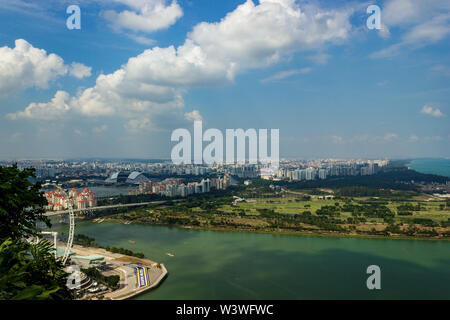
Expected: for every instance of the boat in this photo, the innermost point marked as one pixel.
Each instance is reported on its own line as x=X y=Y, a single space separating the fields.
x=132 y=241
x=170 y=254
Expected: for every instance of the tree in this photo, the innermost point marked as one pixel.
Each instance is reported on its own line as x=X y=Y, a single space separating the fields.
x=27 y=270
x=21 y=203
x=30 y=271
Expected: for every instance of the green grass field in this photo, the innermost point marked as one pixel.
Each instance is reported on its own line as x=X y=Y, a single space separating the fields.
x=292 y=205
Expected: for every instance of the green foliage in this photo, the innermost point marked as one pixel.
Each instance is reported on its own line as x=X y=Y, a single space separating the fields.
x=110 y=281
x=408 y=207
x=329 y=211
x=30 y=271
x=425 y=222
x=370 y=211
x=84 y=240
x=21 y=203
x=360 y=191
x=27 y=270
x=125 y=252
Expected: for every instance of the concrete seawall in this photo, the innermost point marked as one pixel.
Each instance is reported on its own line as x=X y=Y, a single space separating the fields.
x=139 y=291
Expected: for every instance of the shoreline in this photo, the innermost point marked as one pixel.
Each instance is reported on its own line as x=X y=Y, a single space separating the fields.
x=123 y=264
x=409 y=162
x=293 y=233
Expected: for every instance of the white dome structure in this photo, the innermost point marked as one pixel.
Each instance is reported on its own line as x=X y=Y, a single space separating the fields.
x=134 y=177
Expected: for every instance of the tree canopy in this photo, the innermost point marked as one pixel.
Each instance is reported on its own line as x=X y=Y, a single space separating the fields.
x=21 y=203
x=27 y=270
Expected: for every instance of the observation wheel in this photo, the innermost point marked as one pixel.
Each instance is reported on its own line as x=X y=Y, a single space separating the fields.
x=71 y=216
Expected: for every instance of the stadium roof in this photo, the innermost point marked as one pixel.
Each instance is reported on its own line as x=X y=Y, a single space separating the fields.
x=126 y=177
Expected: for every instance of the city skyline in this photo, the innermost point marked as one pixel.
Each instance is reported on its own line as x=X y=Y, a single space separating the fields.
x=139 y=69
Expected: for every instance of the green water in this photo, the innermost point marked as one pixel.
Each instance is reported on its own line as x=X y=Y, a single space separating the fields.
x=236 y=265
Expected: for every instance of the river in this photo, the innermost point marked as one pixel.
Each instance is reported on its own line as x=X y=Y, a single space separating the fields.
x=239 y=265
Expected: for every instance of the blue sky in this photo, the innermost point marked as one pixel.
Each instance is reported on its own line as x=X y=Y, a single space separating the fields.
x=142 y=68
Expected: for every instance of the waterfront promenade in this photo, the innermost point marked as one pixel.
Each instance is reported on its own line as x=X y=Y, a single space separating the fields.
x=127 y=268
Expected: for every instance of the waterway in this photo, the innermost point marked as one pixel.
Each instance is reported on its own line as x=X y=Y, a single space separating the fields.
x=239 y=265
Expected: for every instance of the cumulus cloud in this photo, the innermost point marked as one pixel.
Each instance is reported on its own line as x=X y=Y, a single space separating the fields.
x=145 y=15
x=431 y=111
x=252 y=36
x=193 y=116
x=25 y=66
x=136 y=125
x=79 y=70
x=56 y=108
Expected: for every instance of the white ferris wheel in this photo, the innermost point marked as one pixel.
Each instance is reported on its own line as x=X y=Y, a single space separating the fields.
x=71 y=216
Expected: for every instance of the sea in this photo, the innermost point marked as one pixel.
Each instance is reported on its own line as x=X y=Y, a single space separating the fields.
x=439 y=166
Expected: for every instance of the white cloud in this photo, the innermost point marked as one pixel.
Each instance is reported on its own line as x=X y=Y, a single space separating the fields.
x=430 y=31
x=406 y=13
x=79 y=70
x=252 y=36
x=422 y=23
x=384 y=32
x=136 y=125
x=194 y=115
x=25 y=66
x=434 y=112
x=286 y=74
x=146 y=15
x=56 y=108
x=390 y=136
x=142 y=40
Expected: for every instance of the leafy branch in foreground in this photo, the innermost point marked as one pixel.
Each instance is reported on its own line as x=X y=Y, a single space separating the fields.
x=30 y=271
x=27 y=270
x=21 y=203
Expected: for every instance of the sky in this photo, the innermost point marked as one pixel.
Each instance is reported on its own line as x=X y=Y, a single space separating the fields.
x=138 y=69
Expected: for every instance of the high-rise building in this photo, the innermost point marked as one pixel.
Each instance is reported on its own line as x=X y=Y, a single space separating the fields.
x=322 y=174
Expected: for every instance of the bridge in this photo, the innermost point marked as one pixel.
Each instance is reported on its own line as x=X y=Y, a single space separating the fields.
x=61 y=212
